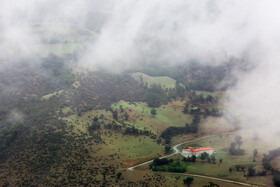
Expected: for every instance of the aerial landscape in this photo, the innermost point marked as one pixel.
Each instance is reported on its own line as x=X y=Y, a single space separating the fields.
x=139 y=93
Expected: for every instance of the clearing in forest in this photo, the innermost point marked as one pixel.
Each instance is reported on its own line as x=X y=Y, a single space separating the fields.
x=163 y=81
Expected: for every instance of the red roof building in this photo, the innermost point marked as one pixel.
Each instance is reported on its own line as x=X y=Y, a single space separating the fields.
x=197 y=150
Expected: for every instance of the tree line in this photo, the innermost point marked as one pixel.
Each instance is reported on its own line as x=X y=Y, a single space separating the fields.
x=174 y=131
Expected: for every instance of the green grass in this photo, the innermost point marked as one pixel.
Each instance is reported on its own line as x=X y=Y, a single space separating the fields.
x=164 y=81
x=140 y=117
x=65 y=110
x=48 y=96
x=133 y=148
x=130 y=147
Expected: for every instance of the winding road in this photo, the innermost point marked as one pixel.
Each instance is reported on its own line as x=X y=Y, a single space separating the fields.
x=176 y=151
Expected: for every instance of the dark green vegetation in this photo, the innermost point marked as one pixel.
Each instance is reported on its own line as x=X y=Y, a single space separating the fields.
x=61 y=126
x=167 y=165
x=235 y=146
x=173 y=131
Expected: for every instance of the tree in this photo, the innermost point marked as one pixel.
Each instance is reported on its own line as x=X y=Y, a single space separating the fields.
x=167 y=148
x=213 y=158
x=153 y=112
x=126 y=116
x=238 y=140
x=204 y=156
x=188 y=181
x=119 y=175
x=155 y=96
x=232 y=148
x=193 y=158
x=255 y=153
x=186 y=108
x=251 y=171
x=211 y=184
x=235 y=146
x=276 y=179
x=115 y=114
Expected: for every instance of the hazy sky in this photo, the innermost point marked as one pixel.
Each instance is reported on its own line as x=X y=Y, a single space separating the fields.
x=164 y=31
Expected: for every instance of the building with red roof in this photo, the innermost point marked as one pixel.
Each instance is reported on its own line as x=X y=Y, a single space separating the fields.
x=197 y=151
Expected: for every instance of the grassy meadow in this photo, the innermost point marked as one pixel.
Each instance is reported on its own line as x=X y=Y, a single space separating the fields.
x=164 y=81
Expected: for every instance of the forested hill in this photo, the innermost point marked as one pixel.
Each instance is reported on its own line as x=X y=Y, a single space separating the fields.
x=57 y=124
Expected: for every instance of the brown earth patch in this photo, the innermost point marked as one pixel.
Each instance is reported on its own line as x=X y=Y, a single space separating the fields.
x=176 y=107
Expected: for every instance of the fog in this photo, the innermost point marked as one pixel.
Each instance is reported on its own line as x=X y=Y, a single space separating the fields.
x=161 y=31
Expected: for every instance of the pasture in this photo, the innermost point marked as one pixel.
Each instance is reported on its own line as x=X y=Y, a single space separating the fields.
x=163 y=81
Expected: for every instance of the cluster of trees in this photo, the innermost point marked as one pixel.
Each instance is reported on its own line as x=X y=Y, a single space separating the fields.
x=112 y=126
x=135 y=131
x=194 y=76
x=159 y=165
x=266 y=164
x=276 y=178
x=155 y=96
x=178 y=91
x=174 y=131
x=235 y=146
x=211 y=184
x=195 y=110
x=153 y=112
x=60 y=73
x=186 y=110
x=7 y=136
x=93 y=127
x=251 y=171
x=115 y=115
x=213 y=112
x=189 y=159
x=268 y=157
x=210 y=159
x=255 y=153
x=200 y=99
x=188 y=181
x=106 y=88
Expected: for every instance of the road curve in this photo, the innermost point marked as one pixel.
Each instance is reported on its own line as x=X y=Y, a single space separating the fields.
x=176 y=151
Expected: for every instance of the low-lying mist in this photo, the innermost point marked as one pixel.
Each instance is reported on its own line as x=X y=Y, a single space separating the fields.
x=161 y=31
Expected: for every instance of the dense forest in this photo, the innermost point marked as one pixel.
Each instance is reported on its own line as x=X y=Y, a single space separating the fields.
x=33 y=125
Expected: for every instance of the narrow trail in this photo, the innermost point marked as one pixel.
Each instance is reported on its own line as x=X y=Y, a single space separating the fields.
x=176 y=151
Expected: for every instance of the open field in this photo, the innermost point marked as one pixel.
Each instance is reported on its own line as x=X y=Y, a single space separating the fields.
x=167 y=115
x=164 y=81
x=129 y=148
